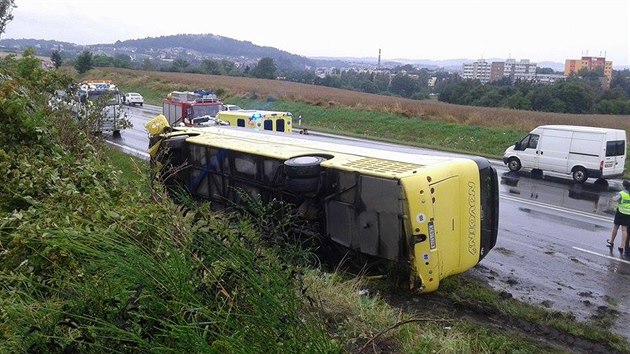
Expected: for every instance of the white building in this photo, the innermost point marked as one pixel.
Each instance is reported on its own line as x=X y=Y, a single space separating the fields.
x=549 y=79
x=478 y=70
x=522 y=70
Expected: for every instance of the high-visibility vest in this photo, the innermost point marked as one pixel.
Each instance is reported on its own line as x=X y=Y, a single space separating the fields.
x=624 y=203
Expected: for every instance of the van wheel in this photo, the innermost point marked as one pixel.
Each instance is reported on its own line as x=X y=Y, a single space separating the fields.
x=303 y=166
x=514 y=164
x=580 y=175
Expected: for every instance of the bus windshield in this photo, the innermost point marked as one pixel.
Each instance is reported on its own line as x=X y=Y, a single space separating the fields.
x=199 y=111
x=108 y=97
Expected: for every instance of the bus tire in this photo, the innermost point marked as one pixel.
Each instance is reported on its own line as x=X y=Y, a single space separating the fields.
x=303 y=166
x=302 y=185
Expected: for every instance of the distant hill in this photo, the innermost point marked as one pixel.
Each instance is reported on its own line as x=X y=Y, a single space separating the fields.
x=217 y=46
x=35 y=43
x=183 y=46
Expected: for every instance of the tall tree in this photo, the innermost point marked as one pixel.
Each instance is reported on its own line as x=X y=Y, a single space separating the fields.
x=404 y=85
x=266 y=69
x=6 y=7
x=180 y=65
x=211 y=67
x=148 y=65
x=29 y=67
x=55 y=57
x=102 y=60
x=122 y=61
x=84 y=62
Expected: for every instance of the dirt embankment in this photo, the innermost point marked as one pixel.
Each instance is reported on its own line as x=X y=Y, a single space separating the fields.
x=435 y=305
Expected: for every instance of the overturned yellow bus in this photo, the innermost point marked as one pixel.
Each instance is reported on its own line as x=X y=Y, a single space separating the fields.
x=433 y=216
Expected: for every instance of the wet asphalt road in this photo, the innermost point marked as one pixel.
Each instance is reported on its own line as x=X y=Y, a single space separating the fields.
x=551 y=248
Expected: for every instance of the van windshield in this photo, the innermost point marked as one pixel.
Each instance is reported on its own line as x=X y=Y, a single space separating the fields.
x=529 y=142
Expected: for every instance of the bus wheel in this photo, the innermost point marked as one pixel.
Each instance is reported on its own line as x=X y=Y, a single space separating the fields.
x=303 y=166
x=580 y=175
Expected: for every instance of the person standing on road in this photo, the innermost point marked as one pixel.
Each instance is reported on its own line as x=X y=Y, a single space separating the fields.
x=622 y=218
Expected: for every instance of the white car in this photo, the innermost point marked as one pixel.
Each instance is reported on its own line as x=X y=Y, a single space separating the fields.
x=132 y=99
x=231 y=107
x=207 y=121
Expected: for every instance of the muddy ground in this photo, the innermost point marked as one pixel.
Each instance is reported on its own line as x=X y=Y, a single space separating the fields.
x=436 y=305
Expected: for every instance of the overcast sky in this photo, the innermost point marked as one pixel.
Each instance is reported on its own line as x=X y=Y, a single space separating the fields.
x=539 y=30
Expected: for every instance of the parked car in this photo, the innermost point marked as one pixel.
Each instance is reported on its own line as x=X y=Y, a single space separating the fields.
x=207 y=121
x=133 y=98
x=231 y=107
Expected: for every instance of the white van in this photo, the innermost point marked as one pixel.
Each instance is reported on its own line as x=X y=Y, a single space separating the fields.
x=584 y=152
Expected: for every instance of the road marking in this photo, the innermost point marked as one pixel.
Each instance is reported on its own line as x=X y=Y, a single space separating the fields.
x=601 y=255
x=142 y=154
x=558 y=208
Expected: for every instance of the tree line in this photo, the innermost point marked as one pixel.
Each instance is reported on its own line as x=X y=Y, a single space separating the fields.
x=264 y=69
x=580 y=93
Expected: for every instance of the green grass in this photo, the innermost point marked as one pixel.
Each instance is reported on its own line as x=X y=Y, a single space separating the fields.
x=410 y=131
x=149 y=96
x=131 y=167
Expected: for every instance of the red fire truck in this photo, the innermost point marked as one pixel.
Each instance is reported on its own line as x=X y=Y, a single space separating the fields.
x=180 y=107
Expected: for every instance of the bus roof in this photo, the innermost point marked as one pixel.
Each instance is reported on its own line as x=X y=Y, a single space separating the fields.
x=251 y=112
x=368 y=160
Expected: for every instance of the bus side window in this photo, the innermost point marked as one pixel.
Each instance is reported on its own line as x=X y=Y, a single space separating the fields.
x=268 y=124
x=280 y=125
x=240 y=122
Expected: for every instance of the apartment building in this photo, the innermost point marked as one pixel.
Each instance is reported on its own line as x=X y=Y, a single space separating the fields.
x=487 y=72
x=572 y=66
x=478 y=70
x=521 y=70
